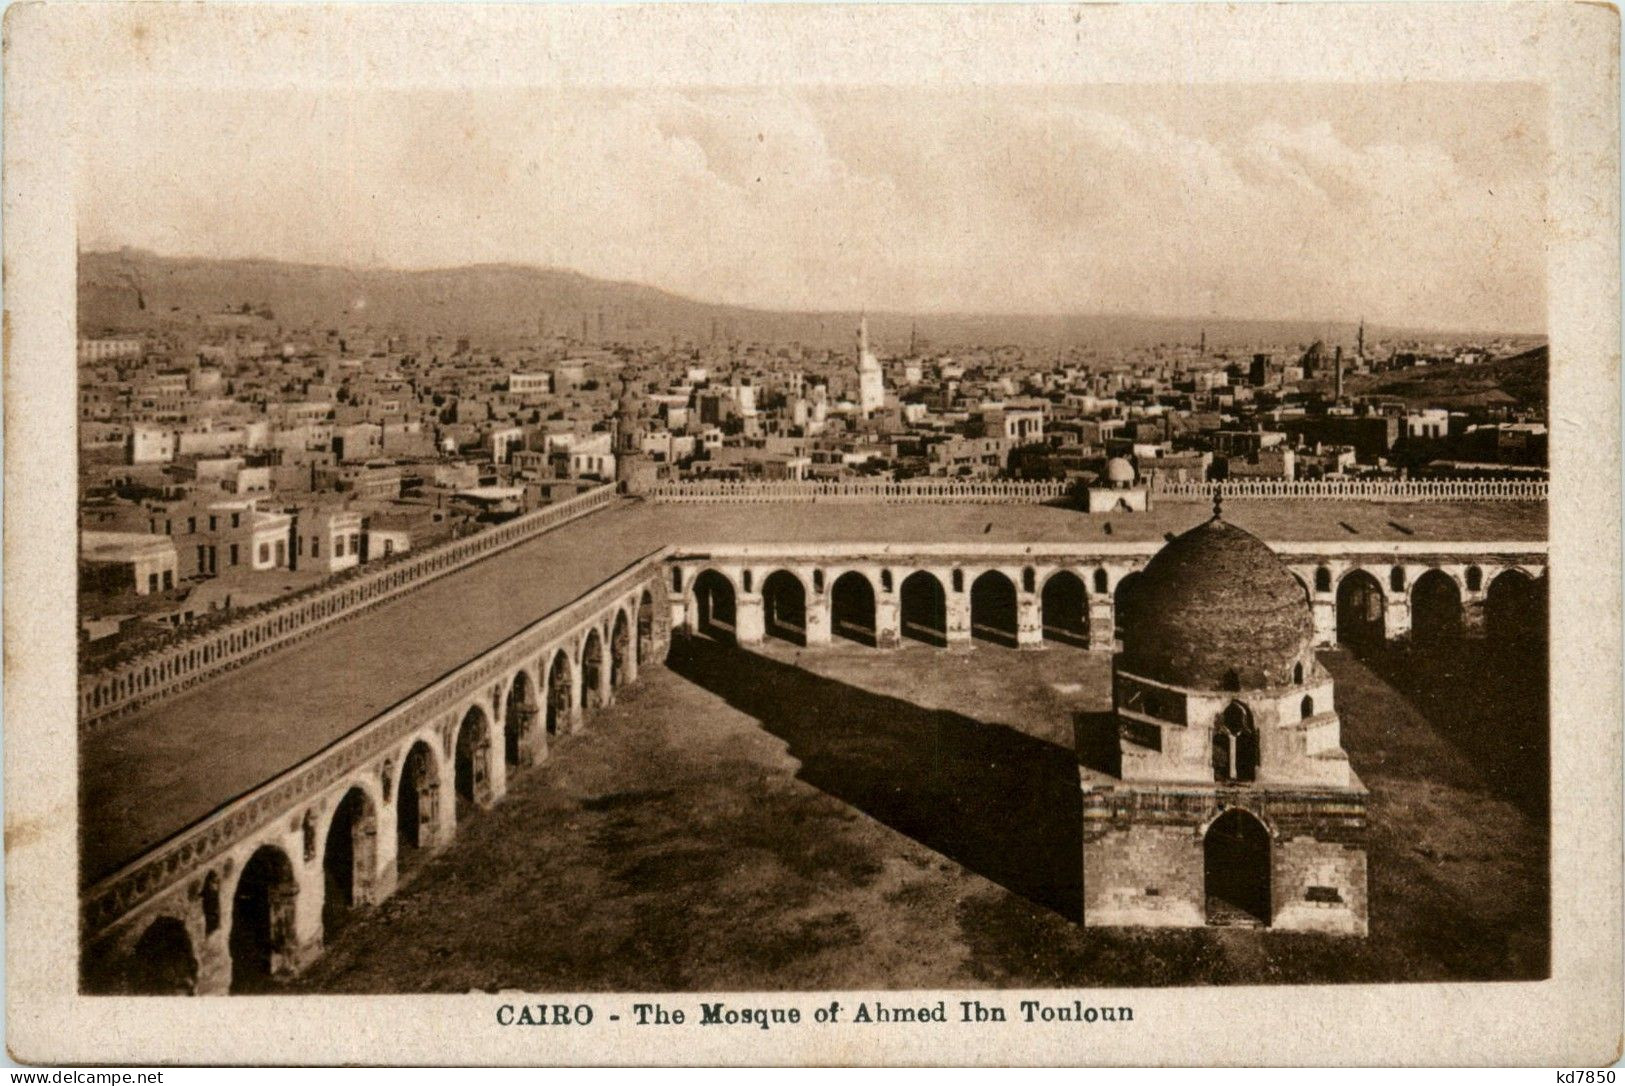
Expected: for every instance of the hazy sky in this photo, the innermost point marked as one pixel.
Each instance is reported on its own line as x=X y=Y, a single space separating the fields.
x=1409 y=204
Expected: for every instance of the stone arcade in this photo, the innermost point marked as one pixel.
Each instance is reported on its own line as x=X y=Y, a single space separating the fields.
x=1226 y=797
x=1222 y=782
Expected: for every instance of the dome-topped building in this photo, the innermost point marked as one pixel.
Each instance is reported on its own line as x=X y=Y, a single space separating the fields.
x=1216 y=608
x=1230 y=799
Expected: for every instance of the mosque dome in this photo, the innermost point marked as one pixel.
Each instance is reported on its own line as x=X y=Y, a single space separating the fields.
x=1216 y=609
x=1119 y=472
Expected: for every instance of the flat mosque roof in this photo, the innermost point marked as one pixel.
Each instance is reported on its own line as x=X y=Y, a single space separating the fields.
x=208 y=746
x=1277 y=521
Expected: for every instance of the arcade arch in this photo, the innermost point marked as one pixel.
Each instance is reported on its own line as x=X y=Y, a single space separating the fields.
x=993 y=608
x=262 y=920
x=1064 y=609
x=924 y=608
x=852 y=608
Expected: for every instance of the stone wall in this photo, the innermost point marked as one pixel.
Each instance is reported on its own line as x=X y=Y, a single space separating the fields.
x=1143 y=876
x=1318 y=886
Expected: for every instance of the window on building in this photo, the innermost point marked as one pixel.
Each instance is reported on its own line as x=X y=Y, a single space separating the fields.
x=1475 y=578
x=1100 y=581
x=389 y=547
x=233 y=555
x=169 y=579
x=265 y=553
x=169 y=527
x=1306 y=708
x=1235 y=745
x=315 y=546
x=1323 y=579
x=191 y=525
x=1396 y=579
x=1297 y=673
x=1029 y=579
x=236 y=520
x=355 y=542
x=338 y=546
x=152 y=582
x=212 y=522
x=281 y=552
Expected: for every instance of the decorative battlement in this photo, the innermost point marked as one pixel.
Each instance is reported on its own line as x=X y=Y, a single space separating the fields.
x=913 y=491
x=1348 y=490
x=190 y=659
x=1012 y=492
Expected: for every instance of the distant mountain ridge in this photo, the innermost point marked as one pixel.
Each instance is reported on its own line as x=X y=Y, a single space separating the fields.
x=133 y=289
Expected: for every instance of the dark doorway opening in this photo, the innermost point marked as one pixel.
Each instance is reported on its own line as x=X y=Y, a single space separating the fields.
x=1236 y=870
x=162 y=961
x=993 y=609
x=852 y=610
x=714 y=606
x=784 y=607
x=348 y=860
x=558 y=693
x=416 y=806
x=924 y=609
x=473 y=769
x=1065 y=610
x=1360 y=612
x=1435 y=609
x=262 y=920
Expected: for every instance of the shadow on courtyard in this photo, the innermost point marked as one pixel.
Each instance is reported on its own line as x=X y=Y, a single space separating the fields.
x=1487 y=699
x=1000 y=803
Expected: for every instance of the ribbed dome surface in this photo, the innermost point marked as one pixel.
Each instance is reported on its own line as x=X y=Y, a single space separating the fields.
x=1216 y=609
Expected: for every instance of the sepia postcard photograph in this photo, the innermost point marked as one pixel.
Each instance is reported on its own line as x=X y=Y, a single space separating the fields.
x=786 y=534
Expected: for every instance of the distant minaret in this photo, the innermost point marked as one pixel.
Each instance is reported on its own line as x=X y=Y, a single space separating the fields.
x=871 y=379
x=914 y=340
x=1359 y=341
x=1201 y=351
x=1339 y=373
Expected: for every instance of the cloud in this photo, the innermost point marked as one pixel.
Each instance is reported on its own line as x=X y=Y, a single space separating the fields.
x=986 y=199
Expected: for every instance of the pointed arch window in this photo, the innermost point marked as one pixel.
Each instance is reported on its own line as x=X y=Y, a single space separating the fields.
x=1235 y=745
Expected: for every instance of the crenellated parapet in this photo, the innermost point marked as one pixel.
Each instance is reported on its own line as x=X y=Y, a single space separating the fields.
x=195 y=657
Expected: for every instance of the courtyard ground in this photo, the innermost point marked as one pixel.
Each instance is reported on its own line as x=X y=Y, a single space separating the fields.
x=839 y=818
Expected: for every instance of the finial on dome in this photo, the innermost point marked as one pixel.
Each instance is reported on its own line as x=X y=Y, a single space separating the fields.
x=1218 y=502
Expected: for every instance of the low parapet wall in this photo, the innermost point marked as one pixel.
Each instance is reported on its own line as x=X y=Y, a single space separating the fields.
x=1385 y=490
x=917 y=491
x=190 y=659
x=1011 y=492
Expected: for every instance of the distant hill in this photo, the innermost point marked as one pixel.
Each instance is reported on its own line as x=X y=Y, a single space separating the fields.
x=501 y=303
x=1517 y=380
